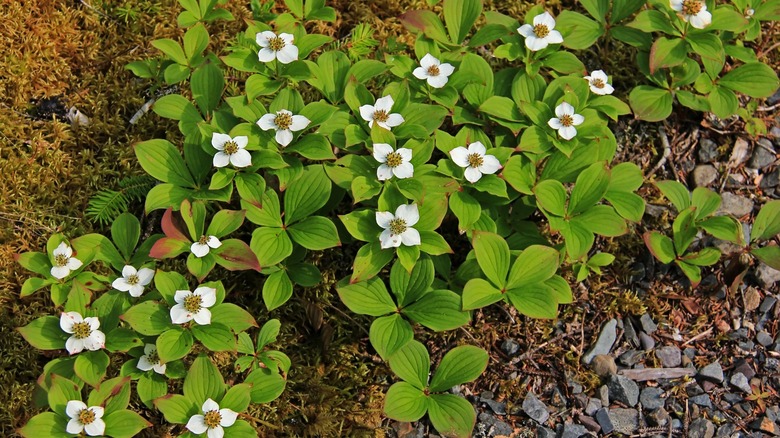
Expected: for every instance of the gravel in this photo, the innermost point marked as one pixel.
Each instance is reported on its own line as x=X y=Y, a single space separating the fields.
x=625 y=421
x=701 y=428
x=604 y=342
x=624 y=390
x=650 y=398
x=602 y=416
x=734 y=205
x=534 y=408
x=670 y=356
x=738 y=380
x=763 y=155
x=704 y=175
x=510 y=347
x=648 y=325
x=712 y=371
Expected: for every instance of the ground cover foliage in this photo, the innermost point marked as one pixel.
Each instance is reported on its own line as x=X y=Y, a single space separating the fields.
x=320 y=398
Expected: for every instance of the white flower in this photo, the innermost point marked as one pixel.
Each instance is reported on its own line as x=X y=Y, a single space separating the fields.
x=433 y=71
x=380 y=113
x=475 y=161
x=84 y=331
x=279 y=47
x=598 y=83
x=204 y=245
x=566 y=121
x=85 y=419
x=212 y=421
x=133 y=280
x=693 y=11
x=150 y=360
x=230 y=150
x=64 y=262
x=284 y=122
x=393 y=162
x=398 y=226
x=193 y=305
x=541 y=34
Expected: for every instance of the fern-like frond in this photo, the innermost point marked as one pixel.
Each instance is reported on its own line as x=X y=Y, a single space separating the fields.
x=106 y=205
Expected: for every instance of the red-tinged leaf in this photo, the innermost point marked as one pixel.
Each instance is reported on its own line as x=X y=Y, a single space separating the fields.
x=235 y=255
x=171 y=228
x=426 y=22
x=167 y=247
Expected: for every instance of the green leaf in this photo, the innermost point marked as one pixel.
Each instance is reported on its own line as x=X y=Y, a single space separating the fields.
x=207 y=83
x=370 y=259
x=315 y=233
x=520 y=173
x=47 y=424
x=706 y=202
x=591 y=186
x=479 y=293
x=653 y=20
x=295 y=6
x=203 y=381
x=313 y=147
x=684 y=230
x=603 y=220
x=705 y=257
x=277 y=289
x=172 y=49
x=660 y=246
x=492 y=254
x=433 y=243
x=460 y=16
x=767 y=222
x=266 y=385
x=551 y=196
x=125 y=232
x=404 y=402
x=367 y=298
x=460 y=365
x=650 y=103
x=237 y=398
x=124 y=424
x=91 y=366
x=121 y=340
x=150 y=387
x=564 y=62
x=388 y=334
x=148 y=318
x=268 y=333
x=534 y=300
x=225 y=222
x=724 y=228
x=61 y=391
x=409 y=286
x=160 y=159
x=178 y=408
x=270 y=245
x=667 y=53
x=215 y=336
x=232 y=316
x=723 y=102
x=266 y=212
x=535 y=264
x=174 y=344
x=438 y=310
x=693 y=272
x=195 y=41
x=768 y=254
x=451 y=415
x=44 y=333
x=754 y=79
x=426 y=22
x=579 y=31
x=307 y=194
x=412 y=364
x=676 y=193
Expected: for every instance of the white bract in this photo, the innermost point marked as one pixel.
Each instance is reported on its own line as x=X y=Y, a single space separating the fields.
x=598 y=82
x=693 y=11
x=541 y=34
x=150 y=360
x=230 y=150
x=433 y=71
x=279 y=47
x=193 y=305
x=84 y=332
x=379 y=113
x=566 y=121
x=84 y=419
x=212 y=421
x=394 y=162
x=204 y=245
x=475 y=161
x=64 y=262
x=284 y=123
x=133 y=281
x=398 y=227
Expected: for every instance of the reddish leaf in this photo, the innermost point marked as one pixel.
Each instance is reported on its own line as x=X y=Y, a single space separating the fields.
x=235 y=255
x=168 y=247
x=170 y=227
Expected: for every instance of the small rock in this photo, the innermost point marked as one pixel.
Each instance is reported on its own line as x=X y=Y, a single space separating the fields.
x=670 y=356
x=589 y=423
x=766 y=425
x=767 y=275
x=732 y=398
x=647 y=341
x=625 y=421
x=647 y=324
x=603 y=365
x=497 y=407
x=712 y=371
x=702 y=400
x=650 y=398
x=604 y=342
x=773 y=413
x=630 y=333
x=631 y=357
x=602 y=416
x=763 y=156
x=726 y=430
x=770 y=180
x=735 y=205
x=604 y=395
x=557 y=398
x=543 y=432
x=77 y=118
x=767 y=304
x=740 y=153
x=742 y=366
x=534 y=408
x=708 y=151
x=624 y=390
x=773 y=99
x=738 y=380
x=772 y=364
x=658 y=417
x=593 y=406
x=510 y=347
x=571 y=430
x=764 y=338
x=751 y=299
x=704 y=175
x=576 y=387
x=701 y=428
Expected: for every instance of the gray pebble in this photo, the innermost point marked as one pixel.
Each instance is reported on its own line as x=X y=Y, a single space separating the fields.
x=624 y=390
x=767 y=275
x=631 y=357
x=764 y=338
x=647 y=341
x=648 y=325
x=738 y=380
x=701 y=428
x=602 y=416
x=770 y=179
x=593 y=406
x=604 y=343
x=650 y=398
x=510 y=347
x=726 y=430
x=734 y=205
x=763 y=155
x=702 y=400
x=767 y=304
x=625 y=421
x=534 y=408
x=543 y=432
x=573 y=431
x=658 y=417
x=670 y=356
x=704 y=175
x=708 y=151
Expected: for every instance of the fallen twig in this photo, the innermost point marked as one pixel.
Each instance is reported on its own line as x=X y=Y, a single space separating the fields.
x=667 y=152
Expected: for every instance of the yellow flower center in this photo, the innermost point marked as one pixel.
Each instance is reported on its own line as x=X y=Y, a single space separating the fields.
x=381 y=115
x=433 y=70
x=153 y=357
x=393 y=159
x=276 y=44
x=81 y=330
x=203 y=240
x=133 y=280
x=60 y=260
x=283 y=121
x=212 y=419
x=598 y=83
x=691 y=7
x=86 y=416
x=397 y=226
x=231 y=147
x=192 y=303
x=567 y=120
x=541 y=30
x=475 y=160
